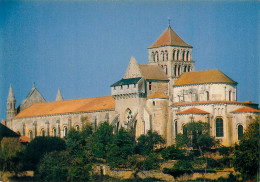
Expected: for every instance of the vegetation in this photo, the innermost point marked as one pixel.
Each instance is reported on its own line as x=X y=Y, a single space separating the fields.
x=246 y=155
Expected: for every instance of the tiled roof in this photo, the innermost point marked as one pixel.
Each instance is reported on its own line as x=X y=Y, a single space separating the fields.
x=245 y=109
x=158 y=95
x=208 y=76
x=24 y=139
x=69 y=106
x=193 y=110
x=214 y=102
x=126 y=81
x=153 y=72
x=169 y=37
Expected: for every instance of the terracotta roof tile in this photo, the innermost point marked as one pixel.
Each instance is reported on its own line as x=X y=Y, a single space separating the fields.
x=153 y=72
x=208 y=76
x=24 y=139
x=169 y=37
x=193 y=110
x=69 y=106
x=158 y=95
x=245 y=109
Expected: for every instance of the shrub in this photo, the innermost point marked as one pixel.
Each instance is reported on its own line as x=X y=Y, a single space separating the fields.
x=224 y=151
x=172 y=153
x=38 y=147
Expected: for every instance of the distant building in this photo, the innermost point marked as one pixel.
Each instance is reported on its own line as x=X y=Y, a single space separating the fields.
x=162 y=95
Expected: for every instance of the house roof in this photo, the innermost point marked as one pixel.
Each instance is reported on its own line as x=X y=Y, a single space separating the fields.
x=245 y=109
x=193 y=110
x=69 y=106
x=126 y=81
x=169 y=38
x=6 y=132
x=159 y=95
x=153 y=72
x=199 y=77
x=24 y=139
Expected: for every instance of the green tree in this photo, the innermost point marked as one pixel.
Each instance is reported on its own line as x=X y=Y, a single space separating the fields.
x=100 y=140
x=121 y=148
x=172 y=153
x=246 y=155
x=10 y=154
x=38 y=147
x=146 y=143
x=196 y=135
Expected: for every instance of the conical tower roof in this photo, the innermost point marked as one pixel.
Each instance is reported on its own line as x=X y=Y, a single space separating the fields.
x=59 y=96
x=169 y=38
x=11 y=94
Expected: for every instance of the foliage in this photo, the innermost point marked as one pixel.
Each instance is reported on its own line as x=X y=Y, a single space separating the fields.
x=100 y=140
x=121 y=148
x=146 y=143
x=62 y=166
x=9 y=154
x=224 y=151
x=172 y=153
x=149 y=163
x=195 y=135
x=38 y=147
x=246 y=155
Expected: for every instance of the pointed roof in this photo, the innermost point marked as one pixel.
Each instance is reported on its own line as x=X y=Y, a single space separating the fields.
x=69 y=106
x=158 y=95
x=59 y=96
x=133 y=70
x=199 y=77
x=11 y=94
x=193 y=110
x=246 y=109
x=169 y=38
x=33 y=97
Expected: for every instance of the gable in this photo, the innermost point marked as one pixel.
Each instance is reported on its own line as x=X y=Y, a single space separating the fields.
x=133 y=70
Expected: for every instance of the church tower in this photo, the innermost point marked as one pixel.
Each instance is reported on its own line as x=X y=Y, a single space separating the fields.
x=11 y=105
x=172 y=54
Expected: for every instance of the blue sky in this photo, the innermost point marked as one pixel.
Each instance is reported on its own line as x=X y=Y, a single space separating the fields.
x=84 y=47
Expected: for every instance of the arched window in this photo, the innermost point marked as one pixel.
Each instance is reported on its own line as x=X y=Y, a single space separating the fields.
x=183 y=55
x=153 y=103
x=128 y=115
x=153 y=56
x=65 y=131
x=229 y=95
x=176 y=128
x=162 y=53
x=240 y=132
x=166 y=55
x=177 y=56
x=157 y=56
x=219 y=127
x=166 y=71
x=31 y=135
x=207 y=95
x=187 y=56
x=175 y=72
x=173 y=55
x=54 y=132
x=77 y=127
x=43 y=132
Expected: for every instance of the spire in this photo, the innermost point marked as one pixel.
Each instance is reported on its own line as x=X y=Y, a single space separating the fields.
x=11 y=94
x=59 y=96
x=169 y=20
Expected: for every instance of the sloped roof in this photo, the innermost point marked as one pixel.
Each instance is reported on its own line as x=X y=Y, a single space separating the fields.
x=24 y=139
x=208 y=76
x=6 y=132
x=245 y=109
x=169 y=37
x=153 y=72
x=193 y=110
x=126 y=81
x=158 y=95
x=69 y=106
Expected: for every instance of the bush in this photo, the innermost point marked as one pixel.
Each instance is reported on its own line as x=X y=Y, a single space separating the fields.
x=39 y=146
x=224 y=151
x=172 y=153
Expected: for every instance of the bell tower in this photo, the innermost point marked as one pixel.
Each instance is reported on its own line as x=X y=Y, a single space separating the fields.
x=172 y=54
x=11 y=105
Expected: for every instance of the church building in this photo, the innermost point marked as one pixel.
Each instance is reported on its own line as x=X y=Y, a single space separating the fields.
x=162 y=95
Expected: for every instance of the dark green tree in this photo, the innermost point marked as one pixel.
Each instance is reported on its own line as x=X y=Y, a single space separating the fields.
x=39 y=146
x=121 y=148
x=146 y=143
x=172 y=153
x=100 y=140
x=246 y=155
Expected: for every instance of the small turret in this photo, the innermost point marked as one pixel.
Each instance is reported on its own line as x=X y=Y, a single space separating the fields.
x=11 y=105
x=59 y=96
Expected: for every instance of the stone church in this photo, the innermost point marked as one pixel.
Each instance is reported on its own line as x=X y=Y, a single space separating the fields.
x=162 y=96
